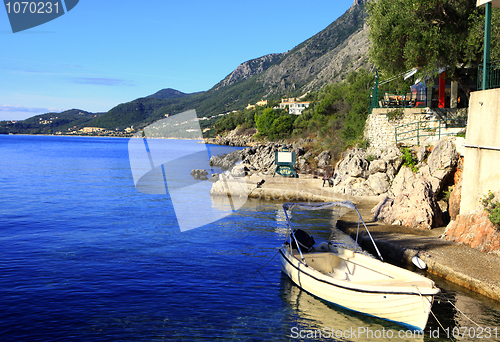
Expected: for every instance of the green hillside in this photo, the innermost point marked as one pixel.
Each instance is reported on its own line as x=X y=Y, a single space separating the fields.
x=49 y=123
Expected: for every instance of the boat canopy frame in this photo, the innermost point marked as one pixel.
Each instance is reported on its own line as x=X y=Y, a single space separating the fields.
x=321 y=206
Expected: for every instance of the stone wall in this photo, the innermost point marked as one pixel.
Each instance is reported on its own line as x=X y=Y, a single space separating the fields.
x=380 y=131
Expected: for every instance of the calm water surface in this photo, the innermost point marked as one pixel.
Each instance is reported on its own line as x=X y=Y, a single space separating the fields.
x=85 y=257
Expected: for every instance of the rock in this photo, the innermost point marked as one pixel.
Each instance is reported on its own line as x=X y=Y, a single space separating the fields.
x=308 y=155
x=392 y=156
x=377 y=166
x=299 y=149
x=302 y=163
x=454 y=201
x=227 y=185
x=239 y=170
x=391 y=172
x=214 y=178
x=379 y=182
x=261 y=158
x=424 y=171
x=421 y=153
x=323 y=160
x=443 y=157
x=199 y=174
x=226 y=161
x=358 y=167
x=415 y=209
x=474 y=230
x=355 y=186
x=403 y=182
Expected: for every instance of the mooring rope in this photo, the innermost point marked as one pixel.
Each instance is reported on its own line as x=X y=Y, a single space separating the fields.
x=257 y=270
x=463 y=314
x=430 y=309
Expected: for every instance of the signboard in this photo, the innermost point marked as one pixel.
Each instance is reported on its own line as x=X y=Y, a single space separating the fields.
x=285 y=163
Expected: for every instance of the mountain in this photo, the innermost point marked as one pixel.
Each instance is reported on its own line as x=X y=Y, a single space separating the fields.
x=324 y=58
x=168 y=93
x=50 y=123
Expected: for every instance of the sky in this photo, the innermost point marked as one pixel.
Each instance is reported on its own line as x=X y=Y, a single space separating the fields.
x=106 y=52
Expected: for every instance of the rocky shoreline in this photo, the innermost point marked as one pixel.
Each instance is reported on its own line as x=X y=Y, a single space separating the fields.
x=402 y=192
x=408 y=192
x=406 y=181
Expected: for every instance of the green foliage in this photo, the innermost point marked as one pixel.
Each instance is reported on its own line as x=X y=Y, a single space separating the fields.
x=370 y=157
x=264 y=121
x=339 y=111
x=447 y=193
x=394 y=114
x=243 y=119
x=492 y=207
x=430 y=34
x=281 y=127
x=409 y=159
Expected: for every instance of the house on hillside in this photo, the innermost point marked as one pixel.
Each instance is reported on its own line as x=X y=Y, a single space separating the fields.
x=294 y=105
x=260 y=103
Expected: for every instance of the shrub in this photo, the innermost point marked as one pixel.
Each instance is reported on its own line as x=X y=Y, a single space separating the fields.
x=394 y=114
x=409 y=159
x=492 y=208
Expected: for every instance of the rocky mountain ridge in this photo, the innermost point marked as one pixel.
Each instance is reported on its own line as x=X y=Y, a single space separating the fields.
x=324 y=58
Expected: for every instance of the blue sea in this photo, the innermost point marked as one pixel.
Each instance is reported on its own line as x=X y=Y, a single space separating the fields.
x=84 y=256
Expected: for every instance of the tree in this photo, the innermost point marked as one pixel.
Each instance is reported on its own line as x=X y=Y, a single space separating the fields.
x=265 y=121
x=281 y=127
x=429 y=34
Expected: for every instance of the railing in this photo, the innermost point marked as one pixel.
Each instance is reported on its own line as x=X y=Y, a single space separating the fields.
x=428 y=128
x=493 y=80
x=396 y=99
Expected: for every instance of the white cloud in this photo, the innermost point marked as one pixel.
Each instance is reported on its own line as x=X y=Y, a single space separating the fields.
x=9 y=108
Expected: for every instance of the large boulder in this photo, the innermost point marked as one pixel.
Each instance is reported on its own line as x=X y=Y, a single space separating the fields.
x=323 y=160
x=421 y=153
x=378 y=165
x=355 y=186
x=379 y=182
x=403 y=182
x=415 y=209
x=366 y=173
x=443 y=159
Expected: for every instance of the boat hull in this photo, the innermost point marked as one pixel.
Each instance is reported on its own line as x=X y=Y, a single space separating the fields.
x=406 y=305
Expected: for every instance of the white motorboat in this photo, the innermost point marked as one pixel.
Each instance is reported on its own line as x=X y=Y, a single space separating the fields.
x=354 y=280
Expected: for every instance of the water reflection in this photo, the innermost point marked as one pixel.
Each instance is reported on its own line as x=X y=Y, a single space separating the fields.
x=328 y=321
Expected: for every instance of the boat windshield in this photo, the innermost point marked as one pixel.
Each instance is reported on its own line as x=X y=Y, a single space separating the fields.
x=339 y=209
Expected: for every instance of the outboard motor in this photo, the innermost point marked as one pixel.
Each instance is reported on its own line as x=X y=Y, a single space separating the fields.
x=306 y=241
